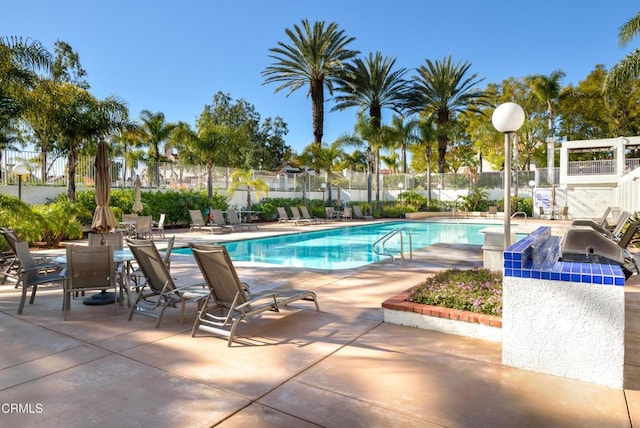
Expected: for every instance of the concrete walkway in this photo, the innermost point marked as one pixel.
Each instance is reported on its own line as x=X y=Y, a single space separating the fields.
x=341 y=367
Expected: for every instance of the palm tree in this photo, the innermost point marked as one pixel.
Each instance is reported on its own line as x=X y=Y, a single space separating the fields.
x=325 y=158
x=157 y=131
x=20 y=59
x=405 y=132
x=315 y=57
x=548 y=90
x=372 y=84
x=244 y=179
x=628 y=68
x=443 y=89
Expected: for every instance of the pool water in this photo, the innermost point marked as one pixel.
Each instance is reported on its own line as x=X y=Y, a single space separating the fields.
x=347 y=247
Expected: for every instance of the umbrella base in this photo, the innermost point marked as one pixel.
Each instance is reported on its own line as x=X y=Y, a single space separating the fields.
x=101 y=298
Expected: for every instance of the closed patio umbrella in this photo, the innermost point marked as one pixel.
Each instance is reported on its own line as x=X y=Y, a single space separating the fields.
x=103 y=219
x=137 y=193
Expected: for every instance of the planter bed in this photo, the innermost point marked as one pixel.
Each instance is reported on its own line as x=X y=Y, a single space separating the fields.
x=397 y=310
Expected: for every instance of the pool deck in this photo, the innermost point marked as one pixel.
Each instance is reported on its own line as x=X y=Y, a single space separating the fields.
x=340 y=367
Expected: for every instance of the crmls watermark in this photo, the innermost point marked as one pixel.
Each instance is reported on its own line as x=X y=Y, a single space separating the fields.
x=28 y=408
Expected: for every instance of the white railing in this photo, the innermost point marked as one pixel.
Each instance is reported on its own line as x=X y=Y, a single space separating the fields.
x=594 y=167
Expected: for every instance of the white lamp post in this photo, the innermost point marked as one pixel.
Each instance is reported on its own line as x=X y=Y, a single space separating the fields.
x=532 y=184
x=20 y=170
x=400 y=187
x=440 y=195
x=323 y=186
x=507 y=118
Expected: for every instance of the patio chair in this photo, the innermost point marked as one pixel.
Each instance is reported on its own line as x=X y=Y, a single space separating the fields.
x=347 y=213
x=10 y=261
x=283 y=217
x=628 y=234
x=229 y=302
x=144 y=226
x=305 y=215
x=136 y=274
x=493 y=211
x=128 y=224
x=330 y=213
x=198 y=223
x=603 y=219
x=357 y=213
x=296 y=217
x=218 y=220
x=33 y=274
x=115 y=240
x=616 y=228
x=234 y=220
x=159 y=290
x=565 y=213
x=543 y=213
x=88 y=268
x=158 y=227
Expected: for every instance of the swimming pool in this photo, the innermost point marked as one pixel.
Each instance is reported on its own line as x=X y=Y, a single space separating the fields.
x=347 y=247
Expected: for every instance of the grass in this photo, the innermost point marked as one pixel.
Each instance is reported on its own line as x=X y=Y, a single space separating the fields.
x=475 y=290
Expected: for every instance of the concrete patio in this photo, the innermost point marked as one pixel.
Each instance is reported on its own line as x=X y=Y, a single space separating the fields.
x=341 y=367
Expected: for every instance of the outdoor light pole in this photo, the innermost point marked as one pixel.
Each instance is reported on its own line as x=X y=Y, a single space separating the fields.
x=532 y=184
x=400 y=187
x=323 y=186
x=507 y=118
x=20 y=170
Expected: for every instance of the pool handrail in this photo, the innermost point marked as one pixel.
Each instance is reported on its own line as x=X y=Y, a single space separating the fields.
x=389 y=235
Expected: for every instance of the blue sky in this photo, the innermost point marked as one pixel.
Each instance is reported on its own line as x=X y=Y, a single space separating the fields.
x=173 y=56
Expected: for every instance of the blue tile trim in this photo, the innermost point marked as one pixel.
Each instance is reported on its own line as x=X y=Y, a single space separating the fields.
x=536 y=256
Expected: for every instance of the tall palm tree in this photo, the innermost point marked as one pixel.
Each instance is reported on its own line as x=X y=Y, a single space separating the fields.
x=316 y=57
x=157 y=131
x=548 y=90
x=445 y=89
x=629 y=67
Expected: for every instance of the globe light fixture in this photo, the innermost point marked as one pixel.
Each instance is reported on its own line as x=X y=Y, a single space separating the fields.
x=20 y=170
x=507 y=118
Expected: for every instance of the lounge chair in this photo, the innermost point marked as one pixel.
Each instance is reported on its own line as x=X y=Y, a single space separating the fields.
x=234 y=220
x=628 y=234
x=296 y=217
x=32 y=274
x=159 y=291
x=493 y=211
x=137 y=276
x=283 y=217
x=218 y=220
x=357 y=213
x=158 y=228
x=128 y=223
x=88 y=268
x=603 y=220
x=229 y=302
x=616 y=228
x=307 y=216
x=198 y=223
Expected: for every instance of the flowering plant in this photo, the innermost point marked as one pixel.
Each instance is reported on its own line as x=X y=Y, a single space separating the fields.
x=475 y=290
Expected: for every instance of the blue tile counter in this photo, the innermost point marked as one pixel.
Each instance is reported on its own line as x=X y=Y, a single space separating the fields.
x=536 y=256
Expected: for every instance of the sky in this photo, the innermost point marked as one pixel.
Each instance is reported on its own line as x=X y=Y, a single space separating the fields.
x=173 y=56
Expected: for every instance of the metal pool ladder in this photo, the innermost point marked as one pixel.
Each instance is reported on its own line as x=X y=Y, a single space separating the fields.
x=379 y=245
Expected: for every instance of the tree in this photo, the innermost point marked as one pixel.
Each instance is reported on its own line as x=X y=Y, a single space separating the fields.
x=443 y=89
x=548 y=90
x=20 y=60
x=244 y=179
x=629 y=67
x=325 y=158
x=156 y=131
x=315 y=57
x=372 y=85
